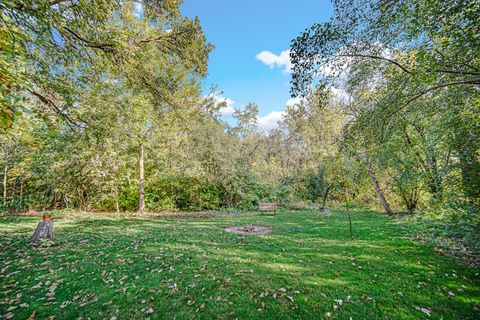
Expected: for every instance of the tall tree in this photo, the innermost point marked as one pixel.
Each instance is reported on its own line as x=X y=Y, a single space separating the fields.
x=55 y=41
x=431 y=44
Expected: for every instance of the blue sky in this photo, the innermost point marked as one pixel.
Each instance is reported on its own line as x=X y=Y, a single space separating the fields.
x=249 y=37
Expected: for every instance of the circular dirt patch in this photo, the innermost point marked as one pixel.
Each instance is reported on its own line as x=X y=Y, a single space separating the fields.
x=249 y=230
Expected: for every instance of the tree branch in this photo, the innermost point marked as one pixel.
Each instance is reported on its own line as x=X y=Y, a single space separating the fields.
x=438 y=86
x=458 y=72
x=72 y=124
x=435 y=87
x=107 y=47
x=378 y=58
x=54 y=2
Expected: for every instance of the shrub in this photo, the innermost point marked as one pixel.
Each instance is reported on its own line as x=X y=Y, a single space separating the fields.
x=455 y=226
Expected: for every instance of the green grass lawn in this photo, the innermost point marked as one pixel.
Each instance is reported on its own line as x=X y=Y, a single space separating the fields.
x=187 y=268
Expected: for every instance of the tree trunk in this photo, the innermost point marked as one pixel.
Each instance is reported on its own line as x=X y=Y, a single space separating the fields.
x=349 y=216
x=141 y=204
x=21 y=192
x=235 y=200
x=44 y=231
x=379 y=192
x=170 y=156
x=435 y=180
x=227 y=199
x=325 y=196
x=5 y=185
x=54 y=201
x=14 y=190
x=117 y=206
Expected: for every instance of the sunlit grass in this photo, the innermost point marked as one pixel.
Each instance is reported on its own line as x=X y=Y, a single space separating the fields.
x=187 y=268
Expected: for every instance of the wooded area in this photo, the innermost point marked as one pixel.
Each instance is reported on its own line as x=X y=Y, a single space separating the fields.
x=105 y=110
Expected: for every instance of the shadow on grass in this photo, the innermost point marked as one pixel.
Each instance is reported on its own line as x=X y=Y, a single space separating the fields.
x=311 y=257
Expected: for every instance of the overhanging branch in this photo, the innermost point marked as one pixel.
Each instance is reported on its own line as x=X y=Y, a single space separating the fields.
x=378 y=58
x=435 y=87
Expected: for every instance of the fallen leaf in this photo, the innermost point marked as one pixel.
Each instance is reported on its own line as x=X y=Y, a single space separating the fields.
x=149 y=310
x=245 y=271
x=37 y=286
x=424 y=310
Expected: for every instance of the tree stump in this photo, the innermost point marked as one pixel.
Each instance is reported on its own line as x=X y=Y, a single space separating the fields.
x=44 y=231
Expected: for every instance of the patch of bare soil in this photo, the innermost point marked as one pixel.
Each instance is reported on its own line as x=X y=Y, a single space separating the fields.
x=129 y=215
x=199 y=214
x=249 y=230
x=325 y=212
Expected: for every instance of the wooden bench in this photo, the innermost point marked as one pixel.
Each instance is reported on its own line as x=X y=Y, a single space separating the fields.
x=267 y=206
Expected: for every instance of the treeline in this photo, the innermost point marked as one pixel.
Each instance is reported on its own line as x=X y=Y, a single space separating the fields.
x=110 y=115
x=193 y=160
x=409 y=73
x=189 y=157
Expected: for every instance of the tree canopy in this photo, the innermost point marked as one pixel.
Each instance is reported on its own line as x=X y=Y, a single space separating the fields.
x=431 y=45
x=50 y=50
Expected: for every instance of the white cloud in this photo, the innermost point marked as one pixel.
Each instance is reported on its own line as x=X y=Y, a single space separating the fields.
x=336 y=91
x=294 y=101
x=270 y=121
x=272 y=60
x=228 y=109
x=339 y=94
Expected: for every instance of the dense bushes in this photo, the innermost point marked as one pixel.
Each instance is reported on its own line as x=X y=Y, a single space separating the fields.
x=453 y=228
x=457 y=224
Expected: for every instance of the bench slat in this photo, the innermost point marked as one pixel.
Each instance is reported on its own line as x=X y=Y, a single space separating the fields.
x=267 y=206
